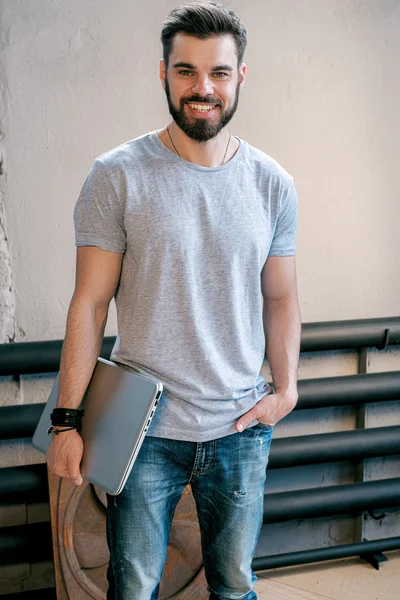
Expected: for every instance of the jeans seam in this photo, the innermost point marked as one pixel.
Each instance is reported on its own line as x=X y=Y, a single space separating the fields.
x=210 y=466
x=196 y=471
x=196 y=458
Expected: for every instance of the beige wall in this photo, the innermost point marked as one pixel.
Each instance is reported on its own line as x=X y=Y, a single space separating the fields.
x=322 y=97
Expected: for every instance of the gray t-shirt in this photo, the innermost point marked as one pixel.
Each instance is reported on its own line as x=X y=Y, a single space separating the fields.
x=189 y=302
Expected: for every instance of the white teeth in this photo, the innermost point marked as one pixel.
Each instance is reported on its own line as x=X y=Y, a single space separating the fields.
x=202 y=107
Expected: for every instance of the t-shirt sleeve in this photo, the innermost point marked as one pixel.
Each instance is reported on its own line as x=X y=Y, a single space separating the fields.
x=284 y=239
x=98 y=217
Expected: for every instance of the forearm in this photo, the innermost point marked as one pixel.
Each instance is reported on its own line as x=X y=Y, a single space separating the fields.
x=282 y=327
x=81 y=348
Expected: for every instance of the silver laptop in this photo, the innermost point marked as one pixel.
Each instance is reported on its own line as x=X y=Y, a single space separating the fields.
x=119 y=406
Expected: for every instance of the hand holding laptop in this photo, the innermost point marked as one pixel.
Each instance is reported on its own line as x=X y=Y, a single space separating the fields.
x=65 y=454
x=119 y=405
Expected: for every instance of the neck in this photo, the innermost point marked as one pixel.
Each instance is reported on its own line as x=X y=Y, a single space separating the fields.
x=205 y=154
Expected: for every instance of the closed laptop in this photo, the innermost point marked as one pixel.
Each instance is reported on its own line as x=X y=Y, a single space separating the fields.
x=119 y=405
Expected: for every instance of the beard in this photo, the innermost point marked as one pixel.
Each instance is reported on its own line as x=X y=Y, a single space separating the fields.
x=200 y=130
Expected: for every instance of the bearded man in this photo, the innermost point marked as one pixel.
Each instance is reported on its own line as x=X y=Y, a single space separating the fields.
x=192 y=230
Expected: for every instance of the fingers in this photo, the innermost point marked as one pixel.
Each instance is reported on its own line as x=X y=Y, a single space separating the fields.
x=269 y=410
x=258 y=411
x=65 y=462
x=246 y=419
x=69 y=470
x=74 y=470
x=77 y=479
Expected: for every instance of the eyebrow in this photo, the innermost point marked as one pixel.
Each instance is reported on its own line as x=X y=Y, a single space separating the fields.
x=184 y=65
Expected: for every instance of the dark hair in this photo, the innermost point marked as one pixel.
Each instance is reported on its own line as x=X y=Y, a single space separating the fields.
x=202 y=20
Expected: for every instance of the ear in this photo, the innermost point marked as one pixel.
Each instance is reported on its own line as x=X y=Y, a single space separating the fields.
x=162 y=73
x=242 y=74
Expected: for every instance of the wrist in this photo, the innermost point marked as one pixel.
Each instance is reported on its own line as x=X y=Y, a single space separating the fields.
x=290 y=392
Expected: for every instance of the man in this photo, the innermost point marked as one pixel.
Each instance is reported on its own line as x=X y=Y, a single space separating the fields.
x=192 y=230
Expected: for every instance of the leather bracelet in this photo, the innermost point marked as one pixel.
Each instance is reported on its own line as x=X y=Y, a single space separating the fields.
x=59 y=420
x=57 y=431
x=67 y=416
x=68 y=412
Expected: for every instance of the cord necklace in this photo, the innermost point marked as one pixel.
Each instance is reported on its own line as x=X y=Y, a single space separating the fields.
x=176 y=149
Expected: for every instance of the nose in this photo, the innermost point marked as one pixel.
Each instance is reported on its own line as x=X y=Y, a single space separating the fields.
x=203 y=86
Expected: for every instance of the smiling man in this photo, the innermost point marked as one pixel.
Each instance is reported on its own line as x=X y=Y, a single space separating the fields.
x=193 y=231
x=207 y=94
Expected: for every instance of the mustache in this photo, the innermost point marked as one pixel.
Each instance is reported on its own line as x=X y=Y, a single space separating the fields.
x=204 y=99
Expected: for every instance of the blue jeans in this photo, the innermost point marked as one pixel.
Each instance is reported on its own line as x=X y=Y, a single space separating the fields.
x=227 y=478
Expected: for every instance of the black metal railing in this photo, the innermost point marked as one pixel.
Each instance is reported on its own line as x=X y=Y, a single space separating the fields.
x=320 y=554
x=19 y=483
x=44 y=357
x=21 y=420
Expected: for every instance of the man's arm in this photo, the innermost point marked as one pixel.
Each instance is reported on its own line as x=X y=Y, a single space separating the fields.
x=282 y=327
x=97 y=277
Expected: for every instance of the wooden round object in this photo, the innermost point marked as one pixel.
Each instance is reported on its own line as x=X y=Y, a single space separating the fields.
x=81 y=554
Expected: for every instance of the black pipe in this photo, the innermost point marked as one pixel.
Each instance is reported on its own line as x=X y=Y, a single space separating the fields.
x=24 y=484
x=33 y=542
x=17 y=482
x=342 y=335
x=331 y=500
x=26 y=543
x=298 y=504
x=21 y=420
x=333 y=447
x=25 y=358
x=319 y=554
x=44 y=357
x=349 y=390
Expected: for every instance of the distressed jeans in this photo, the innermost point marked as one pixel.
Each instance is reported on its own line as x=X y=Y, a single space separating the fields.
x=227 y=478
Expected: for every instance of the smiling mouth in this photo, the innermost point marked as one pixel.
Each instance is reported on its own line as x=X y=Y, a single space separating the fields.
x=201 y=107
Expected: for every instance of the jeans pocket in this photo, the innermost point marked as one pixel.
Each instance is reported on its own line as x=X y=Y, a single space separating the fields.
x=264 y=426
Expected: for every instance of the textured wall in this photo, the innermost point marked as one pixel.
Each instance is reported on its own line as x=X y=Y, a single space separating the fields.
x=322 y=97
x=7 y=296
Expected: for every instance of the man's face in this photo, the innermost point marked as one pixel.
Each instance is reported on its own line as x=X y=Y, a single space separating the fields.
x=202 y=84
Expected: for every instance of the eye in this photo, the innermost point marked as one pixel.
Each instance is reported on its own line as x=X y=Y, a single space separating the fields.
x=220 y=75
x=185 y=72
